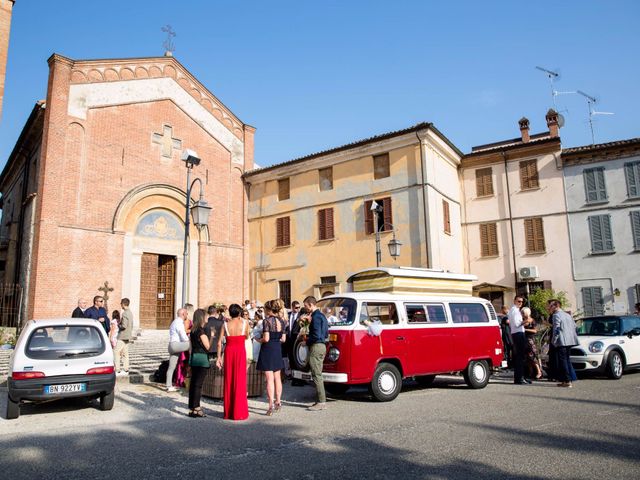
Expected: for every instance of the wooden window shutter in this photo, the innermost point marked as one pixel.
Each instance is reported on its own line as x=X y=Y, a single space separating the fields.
x=484 y=182
x=329 y=223
x=386 y=214
x=321 y=225
x=287 y=231
x=279 y=233
x=529 y=174
x=594 y=184
x=283 y=189
x=368 y=217
x=600 y=232
x=534 y=235
x=325 y=224
x=283 y=237
x=592 y=301
x=632 y=175
x=488 y=240
x=635 y=229
x=446 y=216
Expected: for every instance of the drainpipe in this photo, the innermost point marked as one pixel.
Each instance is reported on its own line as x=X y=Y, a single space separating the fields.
x=573 y=267
x=25 y=194
x=513 y=242
x=425 y=202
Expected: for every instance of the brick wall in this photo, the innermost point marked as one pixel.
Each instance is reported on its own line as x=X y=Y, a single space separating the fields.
x=6 y=7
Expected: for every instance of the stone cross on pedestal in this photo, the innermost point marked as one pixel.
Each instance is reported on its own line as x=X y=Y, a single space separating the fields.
x=166 y=141
x=105 y=289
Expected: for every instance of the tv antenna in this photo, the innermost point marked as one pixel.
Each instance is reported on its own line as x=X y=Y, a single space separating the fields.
x=591 y=101
x=169 y=46
x=552 y=76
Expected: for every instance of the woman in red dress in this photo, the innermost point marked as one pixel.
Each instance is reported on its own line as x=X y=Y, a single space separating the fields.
x=236 y=331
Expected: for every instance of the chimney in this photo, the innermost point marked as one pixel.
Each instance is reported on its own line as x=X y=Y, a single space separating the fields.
x=552 y=123
x=524 y=129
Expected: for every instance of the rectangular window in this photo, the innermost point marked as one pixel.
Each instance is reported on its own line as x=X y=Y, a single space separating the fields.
x=384 y=313
x=592 y=301
x=417 y=313
x=381 y=166
x=468 y=313
x=635 y=229
x=484 y=182
x=632 y=175
x=283 y=238
x=325 y=180
x=600 y=232
x=385 y=220
x=325 y=224
x=534 y=235
x=284 y=287
x=594 y=185
x=331 y=279
x=446 y=216
x=529 y=174
x=488 y=240
x=283 y=189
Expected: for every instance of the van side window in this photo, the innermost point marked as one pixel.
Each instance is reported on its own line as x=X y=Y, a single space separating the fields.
x=385 y=313
x=436 y=314
x=416 y=313
x=468 y=313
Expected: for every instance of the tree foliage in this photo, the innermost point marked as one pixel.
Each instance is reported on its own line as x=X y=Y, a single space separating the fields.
x=538 y=301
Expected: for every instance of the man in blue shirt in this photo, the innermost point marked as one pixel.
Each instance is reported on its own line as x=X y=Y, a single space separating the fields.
x=97 y=312
x=316 y=342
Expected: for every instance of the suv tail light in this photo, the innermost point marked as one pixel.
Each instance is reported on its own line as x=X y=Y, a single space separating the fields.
x=26 y=375
x=100 y=371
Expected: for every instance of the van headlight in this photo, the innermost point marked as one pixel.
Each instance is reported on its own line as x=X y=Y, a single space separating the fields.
x=333 y=355
x=596 y=347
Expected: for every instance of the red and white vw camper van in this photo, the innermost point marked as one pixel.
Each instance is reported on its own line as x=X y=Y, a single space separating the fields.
x=379 y=337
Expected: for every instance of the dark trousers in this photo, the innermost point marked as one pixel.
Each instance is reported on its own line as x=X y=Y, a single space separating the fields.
x=519 y=349
x=564 y=370
x=195 y=387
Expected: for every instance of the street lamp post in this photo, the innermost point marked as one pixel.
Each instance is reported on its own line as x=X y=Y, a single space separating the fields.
x=200 y=211
x=394 y=245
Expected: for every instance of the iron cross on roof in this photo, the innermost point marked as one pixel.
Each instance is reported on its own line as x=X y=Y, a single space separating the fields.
x=166 y=140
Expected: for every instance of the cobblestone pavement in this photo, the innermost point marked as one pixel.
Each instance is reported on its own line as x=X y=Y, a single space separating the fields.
x=446 y=431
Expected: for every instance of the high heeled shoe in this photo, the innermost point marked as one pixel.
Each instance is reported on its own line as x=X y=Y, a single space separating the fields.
x=270 y=411
x=277 y=407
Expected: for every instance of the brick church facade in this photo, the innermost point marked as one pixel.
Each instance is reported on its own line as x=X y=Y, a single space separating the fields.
x=95 y=190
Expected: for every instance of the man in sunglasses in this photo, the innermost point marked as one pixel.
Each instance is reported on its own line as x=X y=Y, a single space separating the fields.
x=98 y=312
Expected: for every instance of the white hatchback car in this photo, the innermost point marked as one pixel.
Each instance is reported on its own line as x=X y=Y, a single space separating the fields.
x=61 y=358
x=608 y=345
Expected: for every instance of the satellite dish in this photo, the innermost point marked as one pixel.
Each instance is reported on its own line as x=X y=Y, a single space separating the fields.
x=560 y=120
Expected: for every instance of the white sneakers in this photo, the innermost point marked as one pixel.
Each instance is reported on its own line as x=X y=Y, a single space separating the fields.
x=172 y=389
x=122 y=373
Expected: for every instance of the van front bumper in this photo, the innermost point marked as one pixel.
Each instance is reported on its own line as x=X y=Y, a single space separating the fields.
x=327 y=377
x=34 y=389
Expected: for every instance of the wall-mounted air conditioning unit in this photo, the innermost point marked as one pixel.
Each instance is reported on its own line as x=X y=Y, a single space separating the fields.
x=528 y=273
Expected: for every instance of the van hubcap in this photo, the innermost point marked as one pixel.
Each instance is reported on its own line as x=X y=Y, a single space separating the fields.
x=387 y=382
x=479 y=372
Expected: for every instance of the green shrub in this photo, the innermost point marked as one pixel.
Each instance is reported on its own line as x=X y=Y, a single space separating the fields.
x=538 y=301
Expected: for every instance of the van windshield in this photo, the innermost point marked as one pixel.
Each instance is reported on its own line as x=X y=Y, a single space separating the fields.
x=65 y=341
x=339 y=311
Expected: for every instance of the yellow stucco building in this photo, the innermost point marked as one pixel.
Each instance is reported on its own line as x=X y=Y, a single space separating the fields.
x=310 y=220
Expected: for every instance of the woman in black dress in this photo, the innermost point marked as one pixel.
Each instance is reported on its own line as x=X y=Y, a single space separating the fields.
x=270 y=360
x=199 y=360
x=530 y=331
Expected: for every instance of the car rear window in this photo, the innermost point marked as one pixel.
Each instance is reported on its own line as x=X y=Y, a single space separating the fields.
x=468 y=313
x=65 y=341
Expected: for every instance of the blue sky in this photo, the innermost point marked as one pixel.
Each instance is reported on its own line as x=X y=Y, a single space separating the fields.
x=312 y=75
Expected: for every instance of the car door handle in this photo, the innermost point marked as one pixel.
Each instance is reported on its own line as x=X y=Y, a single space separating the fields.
x=400 y=338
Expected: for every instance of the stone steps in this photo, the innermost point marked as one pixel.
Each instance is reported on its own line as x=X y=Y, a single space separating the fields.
x=147 y=350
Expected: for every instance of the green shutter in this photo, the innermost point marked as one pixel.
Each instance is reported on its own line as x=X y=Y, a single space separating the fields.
x=600 y=232
x=635 y=229
x=632 y=174
x=592 y=301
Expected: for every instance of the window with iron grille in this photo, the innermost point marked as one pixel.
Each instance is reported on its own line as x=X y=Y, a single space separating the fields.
x=488 y=240
x=325 y=181
x=284 y=287
x=283 y=189
x=381 y=166
x=594 y=185
x=325 y=224
x=534 y=235
x=446 y=216
x=600 y=232
x=592 y=303
x=385 y=221
x=529 y=174
x=328 y=280
x=632 y=175
x=283 y=237
x=635 y=229
x=484 y=182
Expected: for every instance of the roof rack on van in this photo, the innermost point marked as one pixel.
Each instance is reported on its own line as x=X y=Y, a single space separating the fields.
x=412 y=280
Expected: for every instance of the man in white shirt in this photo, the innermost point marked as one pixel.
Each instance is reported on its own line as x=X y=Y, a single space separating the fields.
x=252 y=310
x=178 y=343
x=519 y=341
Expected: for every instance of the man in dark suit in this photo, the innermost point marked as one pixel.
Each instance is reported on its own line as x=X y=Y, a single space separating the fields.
x=292 y=330
x=215 y=322
x=98 y=312
x=79 y=310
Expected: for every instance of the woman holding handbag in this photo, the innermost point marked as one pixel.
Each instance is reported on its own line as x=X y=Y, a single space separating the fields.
x=236 y=331
x=199 y=360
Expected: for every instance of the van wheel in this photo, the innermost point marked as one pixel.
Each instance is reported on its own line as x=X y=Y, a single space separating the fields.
x=13 y=409
x=425 y=380
x=476 y=375
x=300 y=355
x=106 y=400
x=386 y=383
x=336 y=388
x=614 y=365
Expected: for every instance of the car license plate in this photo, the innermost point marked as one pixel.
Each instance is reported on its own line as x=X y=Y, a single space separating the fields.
x=65 y=388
